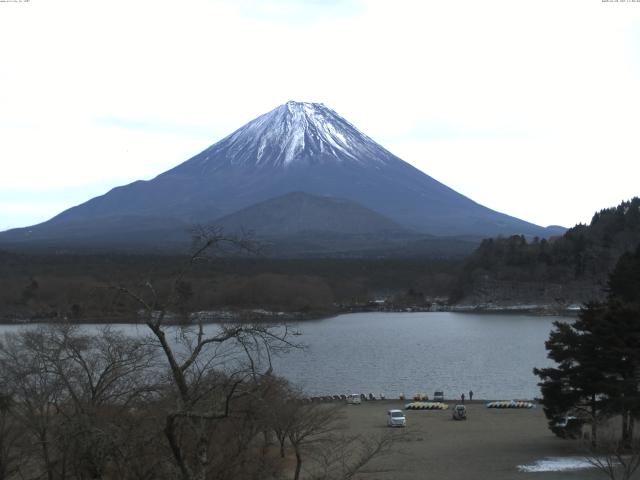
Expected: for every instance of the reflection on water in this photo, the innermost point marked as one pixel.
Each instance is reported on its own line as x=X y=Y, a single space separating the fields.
x=393 y=353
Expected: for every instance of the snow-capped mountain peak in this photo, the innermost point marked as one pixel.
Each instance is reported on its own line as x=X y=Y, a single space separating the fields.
x=297 y=147
x=291 y=134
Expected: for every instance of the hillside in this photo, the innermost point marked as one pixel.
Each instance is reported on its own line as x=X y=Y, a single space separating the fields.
x=299 y=212
x=567 y=269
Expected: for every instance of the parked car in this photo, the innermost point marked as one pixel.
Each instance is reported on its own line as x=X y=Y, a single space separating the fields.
x=568 y=427
x=354 y=399
x=459 y=412
x=396 y=418
x=438 y=396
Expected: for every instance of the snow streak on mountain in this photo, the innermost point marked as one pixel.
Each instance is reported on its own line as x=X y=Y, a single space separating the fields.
x=297 y=147
x=292 y=133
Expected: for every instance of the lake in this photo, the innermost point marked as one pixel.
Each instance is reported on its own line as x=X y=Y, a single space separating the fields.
x=394 y=353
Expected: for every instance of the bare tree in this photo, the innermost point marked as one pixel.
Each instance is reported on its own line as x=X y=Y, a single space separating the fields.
x=279 y=403
x=310 y=425
x=314 y=432
x=344 y=457
x=190 y=400
x=616 y=458
x=70 y=391
x=11 y=455
x=209 y=367
x=36 y=391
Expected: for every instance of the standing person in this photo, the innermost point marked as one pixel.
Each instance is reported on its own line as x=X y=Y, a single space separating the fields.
x=462 y=397
x=470 y=395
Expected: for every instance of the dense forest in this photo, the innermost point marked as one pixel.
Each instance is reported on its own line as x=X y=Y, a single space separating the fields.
x=569 y=268
x=503 y=271
x=82 y=287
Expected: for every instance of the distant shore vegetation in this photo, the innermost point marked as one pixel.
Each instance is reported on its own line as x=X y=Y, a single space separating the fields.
x=504 y=271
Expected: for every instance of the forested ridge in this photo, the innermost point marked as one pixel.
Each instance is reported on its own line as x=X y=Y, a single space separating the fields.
x=569 y=268
x=503 y=271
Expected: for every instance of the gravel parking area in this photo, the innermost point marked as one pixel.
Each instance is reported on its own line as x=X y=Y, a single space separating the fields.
x=491 y=444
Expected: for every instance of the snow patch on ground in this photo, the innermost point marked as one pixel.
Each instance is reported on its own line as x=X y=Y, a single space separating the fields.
x=557 y=464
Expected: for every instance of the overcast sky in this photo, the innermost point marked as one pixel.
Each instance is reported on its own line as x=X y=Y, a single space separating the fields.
x=529 y=107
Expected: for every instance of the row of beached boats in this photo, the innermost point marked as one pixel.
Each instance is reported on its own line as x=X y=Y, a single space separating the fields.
x=444 y=406
x=417 y=405
x=510 y=404
x=426 y=406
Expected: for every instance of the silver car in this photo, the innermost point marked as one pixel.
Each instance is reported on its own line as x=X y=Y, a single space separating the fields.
x=396 y=418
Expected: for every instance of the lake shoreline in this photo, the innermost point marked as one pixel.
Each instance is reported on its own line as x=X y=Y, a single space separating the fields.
x=401 y=353
x=268 y=316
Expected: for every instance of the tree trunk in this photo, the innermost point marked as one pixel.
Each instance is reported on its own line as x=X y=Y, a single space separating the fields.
x=282 y=453
x=176 y=371
x=298 y=464
x=266 y=442
x=594 y=422
x=170 y=433
x=46 y=456
x=203 y=456
x=625 y=429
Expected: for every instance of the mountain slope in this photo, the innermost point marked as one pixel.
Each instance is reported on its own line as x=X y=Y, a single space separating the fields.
x=297 y=147
x=298 y=212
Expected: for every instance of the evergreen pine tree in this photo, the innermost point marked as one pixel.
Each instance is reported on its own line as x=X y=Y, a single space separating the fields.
x=598 y=356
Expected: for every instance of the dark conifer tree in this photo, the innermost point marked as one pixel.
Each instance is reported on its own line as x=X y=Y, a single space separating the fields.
x=598 y=356
x=620 y=332
x=578 y=381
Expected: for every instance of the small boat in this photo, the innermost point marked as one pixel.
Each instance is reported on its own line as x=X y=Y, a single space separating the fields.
x=510 y=404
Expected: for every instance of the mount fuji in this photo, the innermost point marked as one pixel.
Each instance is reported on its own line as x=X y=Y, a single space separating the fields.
x=297 y=147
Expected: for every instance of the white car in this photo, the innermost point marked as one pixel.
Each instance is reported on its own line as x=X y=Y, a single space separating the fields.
x=354 y=399
x=396 y=418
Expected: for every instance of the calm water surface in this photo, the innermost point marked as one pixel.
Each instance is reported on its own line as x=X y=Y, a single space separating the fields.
x=393 y=353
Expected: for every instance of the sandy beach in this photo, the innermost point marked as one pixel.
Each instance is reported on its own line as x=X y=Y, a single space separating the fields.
x=490 y=444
